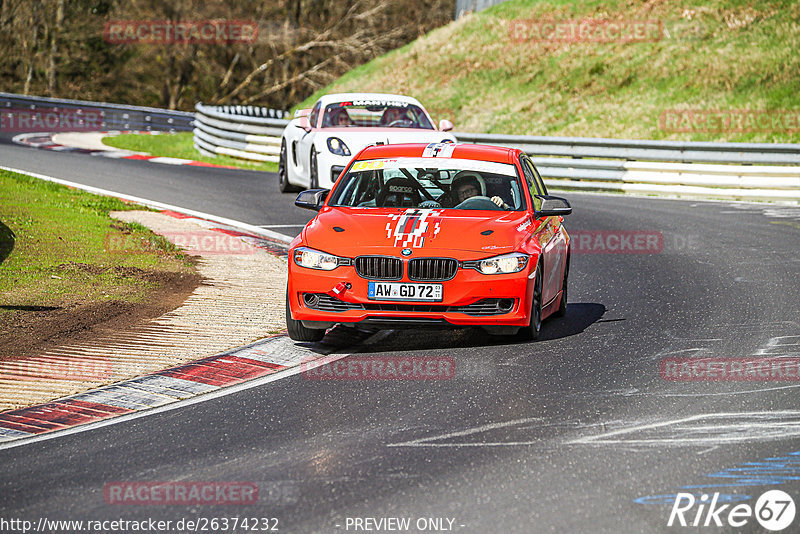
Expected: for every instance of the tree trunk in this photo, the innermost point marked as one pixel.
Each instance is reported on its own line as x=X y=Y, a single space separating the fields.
x=55 y=34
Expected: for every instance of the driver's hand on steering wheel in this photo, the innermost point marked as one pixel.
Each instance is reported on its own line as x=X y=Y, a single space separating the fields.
x=499 y=201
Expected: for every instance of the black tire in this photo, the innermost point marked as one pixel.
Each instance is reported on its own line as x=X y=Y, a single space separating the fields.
x=562 y=305
x=531 y=332
x=313 y=171
x=283 y=176
x=298 y=332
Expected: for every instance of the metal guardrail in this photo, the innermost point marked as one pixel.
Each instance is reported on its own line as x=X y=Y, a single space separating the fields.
x=675 y=168
x=750 y=171
x=644 y=150
x=740 y=171
x=113 y=116
x=245 y=132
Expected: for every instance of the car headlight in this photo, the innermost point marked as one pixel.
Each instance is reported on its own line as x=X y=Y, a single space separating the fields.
x=338 y=147
x=314 y=259
x=504 y=264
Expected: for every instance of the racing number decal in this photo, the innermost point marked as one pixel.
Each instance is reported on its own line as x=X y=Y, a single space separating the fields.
x=411 y=227
x=367 y=165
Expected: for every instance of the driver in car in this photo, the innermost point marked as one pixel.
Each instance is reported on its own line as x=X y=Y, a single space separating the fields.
x=467 y=185
x=342 y=119
x=393 y=114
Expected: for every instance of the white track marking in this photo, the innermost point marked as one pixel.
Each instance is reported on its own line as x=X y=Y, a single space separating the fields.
x=426 y=442
x=159 y=205
x=727 y=432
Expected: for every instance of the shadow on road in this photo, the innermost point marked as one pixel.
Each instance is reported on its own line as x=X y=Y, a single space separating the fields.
x=580 y=315
x=7 y=239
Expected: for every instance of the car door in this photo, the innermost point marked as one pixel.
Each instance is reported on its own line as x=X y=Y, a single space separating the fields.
x=551 y=238
x=305 y=144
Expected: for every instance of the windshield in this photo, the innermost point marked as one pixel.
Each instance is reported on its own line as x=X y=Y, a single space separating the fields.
x=430 y=183
x=375 y=113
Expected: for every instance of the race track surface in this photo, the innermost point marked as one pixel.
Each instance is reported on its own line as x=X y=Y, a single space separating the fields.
x=561 y=435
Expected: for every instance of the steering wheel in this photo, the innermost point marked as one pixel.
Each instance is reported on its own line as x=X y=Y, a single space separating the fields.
x=395 y=191
x=398 y=122
x=478 y=203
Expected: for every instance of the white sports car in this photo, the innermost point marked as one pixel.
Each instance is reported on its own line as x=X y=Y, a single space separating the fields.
x=319 y=142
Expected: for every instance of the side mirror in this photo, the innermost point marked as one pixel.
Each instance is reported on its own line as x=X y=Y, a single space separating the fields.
x=445 y=125
x=553 y=206
x=301 y=115
x=312 y=199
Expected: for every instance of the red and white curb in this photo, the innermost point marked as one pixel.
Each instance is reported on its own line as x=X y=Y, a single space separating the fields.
x=276 y=247
x=45 y=141
x=205 y=379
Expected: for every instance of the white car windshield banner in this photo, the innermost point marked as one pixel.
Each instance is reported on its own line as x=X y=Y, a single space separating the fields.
x=435 y=163
x=383 y=103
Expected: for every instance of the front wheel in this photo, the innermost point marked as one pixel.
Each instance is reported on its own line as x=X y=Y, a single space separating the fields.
x=531 y=332
x=314 y=172
x=298 y=332
x=283 y=176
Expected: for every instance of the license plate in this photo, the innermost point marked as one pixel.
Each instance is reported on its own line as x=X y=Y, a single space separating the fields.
x=398 y=291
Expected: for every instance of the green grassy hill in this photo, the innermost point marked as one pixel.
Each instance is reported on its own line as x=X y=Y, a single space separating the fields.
x=489 y=72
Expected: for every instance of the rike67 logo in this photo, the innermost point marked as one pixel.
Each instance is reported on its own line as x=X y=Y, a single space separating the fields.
x=774 y=511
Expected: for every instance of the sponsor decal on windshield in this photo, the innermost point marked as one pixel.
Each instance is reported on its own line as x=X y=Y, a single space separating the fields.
x=384 y=103
x=412 y=227
x=434 y=150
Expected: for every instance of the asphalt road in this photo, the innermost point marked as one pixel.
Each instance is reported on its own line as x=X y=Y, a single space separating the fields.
x=247 y=196
x=574 y=433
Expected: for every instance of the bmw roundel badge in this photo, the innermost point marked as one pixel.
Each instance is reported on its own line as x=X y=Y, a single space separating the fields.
x=406 y=252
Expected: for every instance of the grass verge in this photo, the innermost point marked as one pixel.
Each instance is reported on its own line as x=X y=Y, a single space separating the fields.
x=54 y=250
x=179 y=145
x=502 y=71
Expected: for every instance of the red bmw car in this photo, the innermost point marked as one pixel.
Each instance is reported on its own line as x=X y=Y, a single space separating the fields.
x=442 y=235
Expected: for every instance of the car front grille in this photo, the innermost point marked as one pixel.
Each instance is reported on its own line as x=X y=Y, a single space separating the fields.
x=432 y=269
x=486 y=307
x=420 y=308
x=379 y=267
x=327 y=303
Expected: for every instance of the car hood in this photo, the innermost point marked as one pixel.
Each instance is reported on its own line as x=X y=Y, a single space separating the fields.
x=358 y=138
x=352 y=232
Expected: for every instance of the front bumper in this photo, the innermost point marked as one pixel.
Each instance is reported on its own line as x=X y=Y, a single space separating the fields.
x=469 y=299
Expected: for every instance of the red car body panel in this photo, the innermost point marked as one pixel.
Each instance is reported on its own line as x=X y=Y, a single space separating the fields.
x=461 y=234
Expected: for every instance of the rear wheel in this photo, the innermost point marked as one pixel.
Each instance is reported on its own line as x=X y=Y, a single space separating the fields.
x=562 y=305
x=531 y=332
x=283 y=178
x=298 y=332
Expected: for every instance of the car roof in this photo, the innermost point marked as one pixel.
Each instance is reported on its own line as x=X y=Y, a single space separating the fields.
x=343 y=97
x=460 y=151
